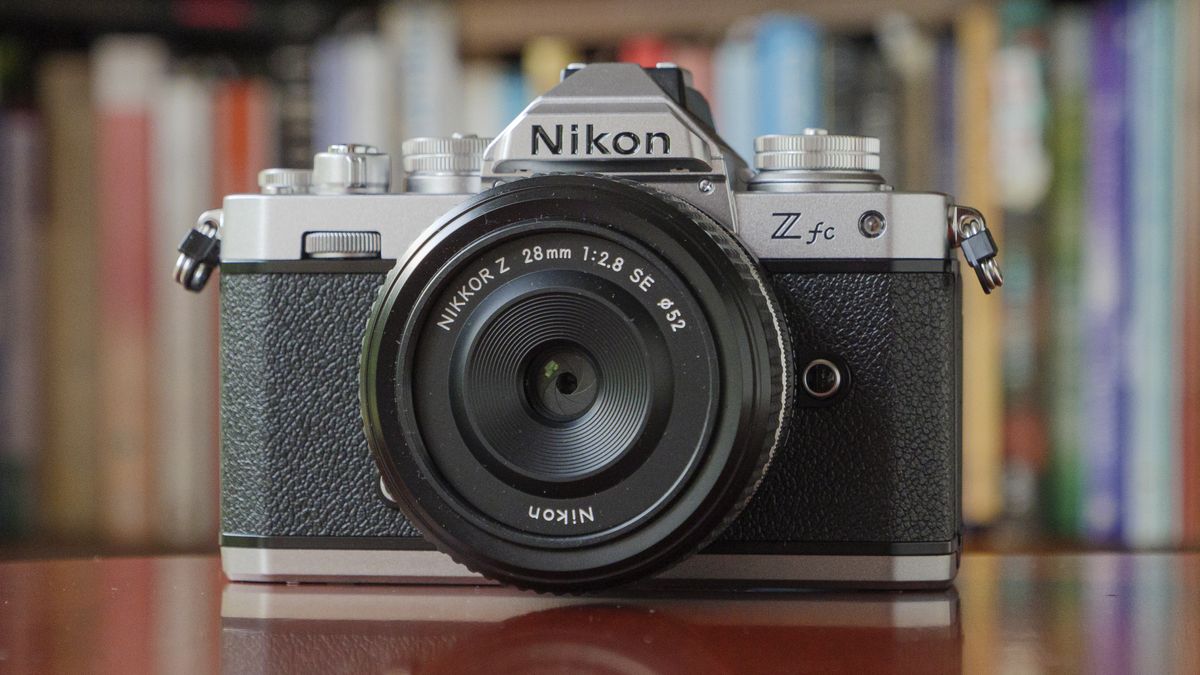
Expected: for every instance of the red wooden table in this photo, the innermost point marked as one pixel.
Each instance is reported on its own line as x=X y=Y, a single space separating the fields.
x=1094 y=612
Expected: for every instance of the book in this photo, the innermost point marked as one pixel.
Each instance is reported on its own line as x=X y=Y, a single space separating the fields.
x=426 y=75
x=1023 y=173
x=244 y=114
x=912 y=56
x=184 y=323
x=945 y=140
x=646 y=50
x=736 y=87
x=1105 y=277
x=20 y=339
x=486 y=108
x=787 y=52
x=880 y=101
x=127 y=75
x=291 y=69
x=352 y=95
x=1187 y=222
x=70 y=300
x=1151 y=516
x=697 y=60
x=977 y=32
x=542 y=62
x=1070 y=46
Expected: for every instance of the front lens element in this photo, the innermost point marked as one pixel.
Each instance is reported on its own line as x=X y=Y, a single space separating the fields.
x=561 y=383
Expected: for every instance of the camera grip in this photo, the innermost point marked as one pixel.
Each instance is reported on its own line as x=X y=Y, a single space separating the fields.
x=882 y=462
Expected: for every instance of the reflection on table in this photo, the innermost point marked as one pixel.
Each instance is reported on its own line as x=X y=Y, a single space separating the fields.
x=490 y=630
x=1095 y=613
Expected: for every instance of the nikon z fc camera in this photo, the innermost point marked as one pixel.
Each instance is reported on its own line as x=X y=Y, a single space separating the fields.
x=594 y=351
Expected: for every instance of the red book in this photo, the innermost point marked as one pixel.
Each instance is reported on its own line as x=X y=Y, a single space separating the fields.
x=644 y=50
x=128 y=71
x=243 y=135
x=696 y=59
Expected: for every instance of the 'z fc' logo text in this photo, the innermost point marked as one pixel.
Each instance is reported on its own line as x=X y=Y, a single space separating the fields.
x=587 y=141
x=790 y=220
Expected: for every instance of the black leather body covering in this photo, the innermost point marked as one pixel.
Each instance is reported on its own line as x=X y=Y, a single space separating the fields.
x=878 y=465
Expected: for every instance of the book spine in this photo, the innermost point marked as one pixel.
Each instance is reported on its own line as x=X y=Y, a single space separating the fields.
x=484 y=98
x=20 y=340
x=842 y=66
x=1070 y=45
x=542 y=63
x=352 y=98
x=291 y=67
x=128 y=71
x=1150 y=483
x=184 y=326
x=736 y=89
x=70 y=302
x=697 y=60
x=946 y=140
x=977 y=33
x=244 y=114
x=1105 y=294
x=788 y=65
x=644 y=50
x=515 y=89
x=422 y=39
x=1023 y=177
x=1187 y=125
x=880 y=93
x=912 y=56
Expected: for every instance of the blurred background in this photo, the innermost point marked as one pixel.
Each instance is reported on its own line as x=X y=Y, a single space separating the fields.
x=1075 y=127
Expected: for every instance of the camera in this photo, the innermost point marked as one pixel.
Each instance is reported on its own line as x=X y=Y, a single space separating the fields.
x=598 y=350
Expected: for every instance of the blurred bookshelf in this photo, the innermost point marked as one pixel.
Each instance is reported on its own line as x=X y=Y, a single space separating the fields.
x=1074 y=126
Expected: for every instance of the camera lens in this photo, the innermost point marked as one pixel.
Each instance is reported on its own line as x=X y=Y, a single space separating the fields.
x=573 y=382
x=550 y=387
x=561 y=382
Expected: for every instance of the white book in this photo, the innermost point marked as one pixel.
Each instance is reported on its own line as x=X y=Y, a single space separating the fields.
x=484 y=95
x=352 y=95
x=185 y=386
x=422 y=39
x=1151 y=484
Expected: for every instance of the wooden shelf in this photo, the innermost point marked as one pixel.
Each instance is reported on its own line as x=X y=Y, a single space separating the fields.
x=491 y=27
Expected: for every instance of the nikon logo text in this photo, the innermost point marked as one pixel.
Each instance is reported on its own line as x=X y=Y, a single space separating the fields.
x=563 y=516
x=572 y=140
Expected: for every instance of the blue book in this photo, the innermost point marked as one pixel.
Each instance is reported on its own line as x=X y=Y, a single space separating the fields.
x=1150 y=518
x=789 y=75
x=736 y=89
x=1106 y=240
x=515 y=98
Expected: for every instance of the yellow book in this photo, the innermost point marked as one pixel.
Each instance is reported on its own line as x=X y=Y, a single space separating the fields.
x=542 y=61
x=68 y=483
x=978 y=35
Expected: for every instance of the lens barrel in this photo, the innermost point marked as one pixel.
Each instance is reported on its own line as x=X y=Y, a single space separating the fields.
x=572 y=382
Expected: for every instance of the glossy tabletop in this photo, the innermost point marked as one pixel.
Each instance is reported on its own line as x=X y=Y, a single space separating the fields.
x=1093 y=613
